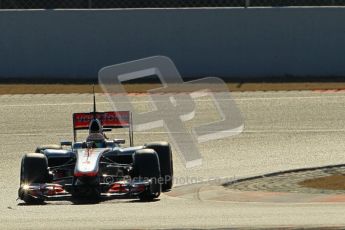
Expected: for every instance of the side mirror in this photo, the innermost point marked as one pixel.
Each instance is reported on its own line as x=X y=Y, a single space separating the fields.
x=66 y=143
x=89 y=144
x=119 y=141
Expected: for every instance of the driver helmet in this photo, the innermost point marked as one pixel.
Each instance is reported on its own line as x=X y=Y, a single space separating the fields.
x=95 y=134
x=95 y=126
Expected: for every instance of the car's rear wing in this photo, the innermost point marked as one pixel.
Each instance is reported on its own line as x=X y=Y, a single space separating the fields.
x=112 y=119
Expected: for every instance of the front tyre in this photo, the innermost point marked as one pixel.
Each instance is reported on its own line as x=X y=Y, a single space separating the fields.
x=164 y=153
x=146 y=166
x=34 y=170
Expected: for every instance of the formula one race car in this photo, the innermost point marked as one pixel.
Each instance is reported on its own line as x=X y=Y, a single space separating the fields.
x=97 y=166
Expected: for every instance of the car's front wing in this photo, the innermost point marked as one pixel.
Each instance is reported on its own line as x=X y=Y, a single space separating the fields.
x=49 y=190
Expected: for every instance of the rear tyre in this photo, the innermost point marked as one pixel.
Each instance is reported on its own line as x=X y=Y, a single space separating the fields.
x=34 y=170
x=41 y=148
x=164 y=153
x=146 y=166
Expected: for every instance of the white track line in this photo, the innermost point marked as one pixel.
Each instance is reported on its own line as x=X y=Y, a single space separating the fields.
x=164 y=132
x=196 y=100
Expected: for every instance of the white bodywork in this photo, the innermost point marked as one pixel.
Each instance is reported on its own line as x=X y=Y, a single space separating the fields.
x=88 y=161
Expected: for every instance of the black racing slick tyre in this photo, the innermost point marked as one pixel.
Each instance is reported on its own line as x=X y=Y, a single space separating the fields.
x=164 y=153
x=146 y=166
x=34 y=169
x=41 y=148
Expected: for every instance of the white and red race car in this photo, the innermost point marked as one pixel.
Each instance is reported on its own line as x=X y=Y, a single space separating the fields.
x=97 y=166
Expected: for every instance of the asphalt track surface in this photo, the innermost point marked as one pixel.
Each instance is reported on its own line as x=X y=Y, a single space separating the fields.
x=283 y=130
